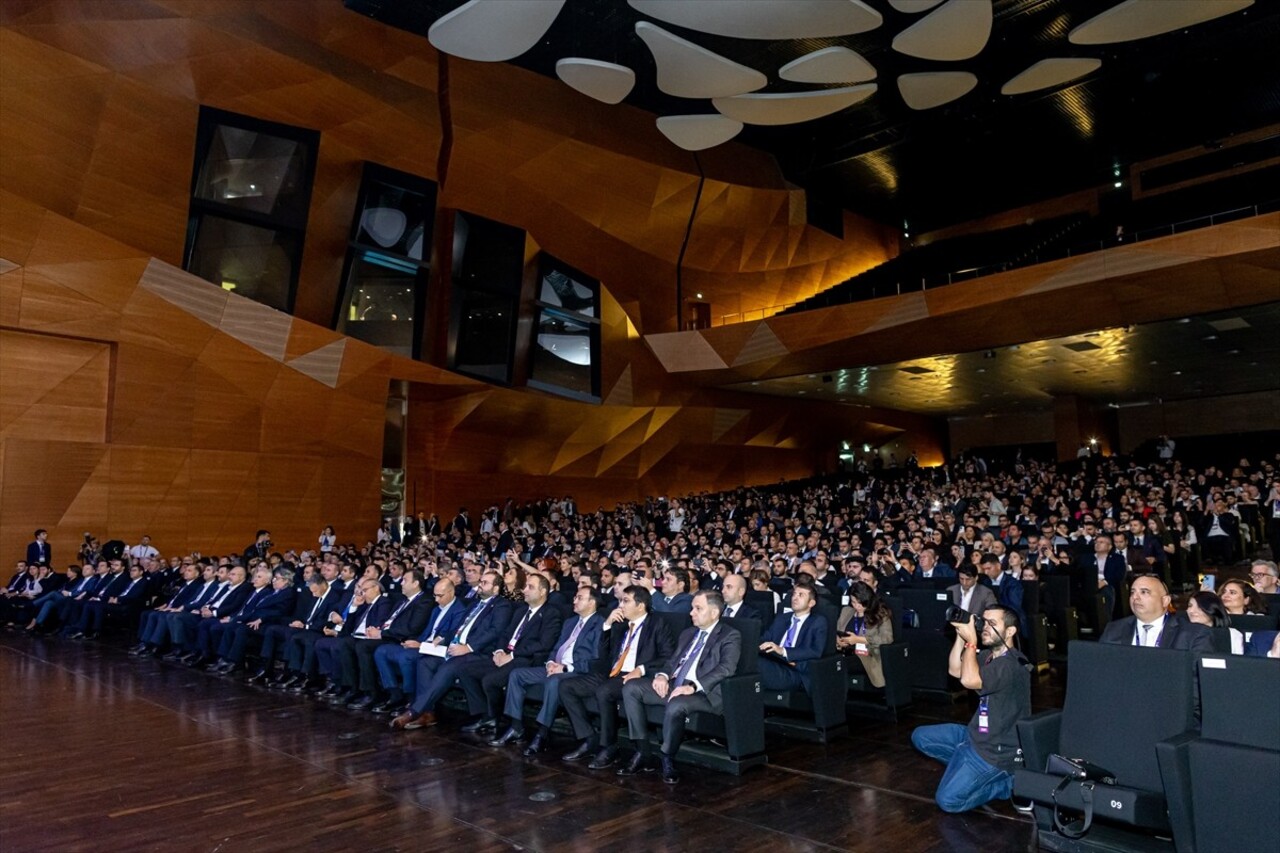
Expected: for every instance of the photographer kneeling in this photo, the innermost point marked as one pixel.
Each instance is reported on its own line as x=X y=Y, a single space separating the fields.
x=980 y=757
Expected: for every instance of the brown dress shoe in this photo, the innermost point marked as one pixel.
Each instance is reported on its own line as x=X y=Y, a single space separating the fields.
x=421 y=722
x=403 y=720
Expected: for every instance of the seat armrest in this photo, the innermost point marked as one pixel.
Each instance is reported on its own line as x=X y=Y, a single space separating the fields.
x=1038 y=736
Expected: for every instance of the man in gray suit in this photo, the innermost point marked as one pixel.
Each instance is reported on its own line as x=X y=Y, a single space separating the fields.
x=969 y=594
x=705 y=655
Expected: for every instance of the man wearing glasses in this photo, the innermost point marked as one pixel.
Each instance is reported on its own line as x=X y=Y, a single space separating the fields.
x=1263 y=574
x=980 y=757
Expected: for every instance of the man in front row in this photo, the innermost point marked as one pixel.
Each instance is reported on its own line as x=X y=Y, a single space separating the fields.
x=980 y=757
x=1151 y=625
x=705 y=655
x=793 y=640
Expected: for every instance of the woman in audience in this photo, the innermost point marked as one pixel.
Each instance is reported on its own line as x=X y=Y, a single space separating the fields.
x=327 y=539
x=513 y=579
x=863 y=627
x=1241 y=599
x=1205 y=608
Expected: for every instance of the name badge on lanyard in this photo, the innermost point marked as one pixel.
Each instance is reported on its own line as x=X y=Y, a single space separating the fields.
x=984 y=720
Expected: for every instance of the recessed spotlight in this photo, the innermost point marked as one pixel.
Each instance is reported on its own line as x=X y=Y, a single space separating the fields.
x=1177 y=373
x=1210 y=337
x=982 y=370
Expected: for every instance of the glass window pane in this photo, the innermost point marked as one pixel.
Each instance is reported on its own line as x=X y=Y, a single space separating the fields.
x=563 y=353
x=559 y=289
x=252 y=261
x=487 y=254
x=484 y=335
x=255 y=171
x=379 y=307
x=396 y=219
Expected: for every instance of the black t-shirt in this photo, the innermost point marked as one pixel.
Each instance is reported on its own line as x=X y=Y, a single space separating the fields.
x=1006 y=687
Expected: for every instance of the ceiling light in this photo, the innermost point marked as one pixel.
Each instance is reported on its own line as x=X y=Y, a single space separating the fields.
x=698 y=295
x=1118 y=184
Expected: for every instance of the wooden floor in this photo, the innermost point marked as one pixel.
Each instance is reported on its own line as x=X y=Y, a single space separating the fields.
x=105 y=753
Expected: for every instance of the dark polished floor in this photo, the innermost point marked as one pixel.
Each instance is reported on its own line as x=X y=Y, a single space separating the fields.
x=105 y=753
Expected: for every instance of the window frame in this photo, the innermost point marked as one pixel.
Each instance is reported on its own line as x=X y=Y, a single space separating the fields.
x=547 y=263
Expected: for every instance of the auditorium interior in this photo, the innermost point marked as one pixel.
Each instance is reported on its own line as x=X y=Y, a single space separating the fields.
x=570 y=424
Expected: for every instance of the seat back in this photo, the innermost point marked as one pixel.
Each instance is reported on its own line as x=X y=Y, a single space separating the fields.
x=749 y=628
x=1122 y=701
x=1240 y=700
x=930 y=606
x=1030 y=597
x=831 y=613
x=676 y=622
x=1253 y=622
x=1056 y=593
x=762 y=603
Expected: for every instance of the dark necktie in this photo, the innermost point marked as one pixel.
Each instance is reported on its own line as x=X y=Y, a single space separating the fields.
x=515 y=637
x=686 y=663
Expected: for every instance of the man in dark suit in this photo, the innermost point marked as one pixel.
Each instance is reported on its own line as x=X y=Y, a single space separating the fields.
x=397 y=663
x=247 y=627
x=1007 y=588
x=1102 y=573
x=634 y=644
x=674 y=597
x=39 y=553
x=797 y=638
x=123 y=602
x=1145 y=553
x=481 y=634
x=260 y=548
x=931 y=568
x=300 y=646
x=310 y=613
x=531 y=639
x=971 y=595
x=109 y=586
x=705 y=655
x=191 y=631
x=211 y=632
x=1151 y=625
x=152 y=621
x=574 y=652
x=406 y=621
x=734 y=590
x=373 y=608
x=58 y=602
x=1219 y=533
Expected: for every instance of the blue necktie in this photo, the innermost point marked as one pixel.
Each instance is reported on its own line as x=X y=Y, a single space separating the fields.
x=790 y=639
x=687 y=663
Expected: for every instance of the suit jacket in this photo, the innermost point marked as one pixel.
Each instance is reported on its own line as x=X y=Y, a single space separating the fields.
x=112 y=586
x=1259 y=644
x=490 y=627
x=587 y=647
x=445 y=626
x=373 y=615
x=131 y=594
x=1008 y=593
x=1229 y=523
x=1113 y=570
x=203 y=597
x=234 y=600
x=186 y=594
x=328 y=604
x=538 y=637
x=39 y=553
x=942 y=570
x=410 y=621
x=681 y=602
x=1176 y=634
x=810 y=641
x=274 y=607
x=719 y=659
x=982 y=597
x=746 y=611
x=654 y=645
x=1150 y=547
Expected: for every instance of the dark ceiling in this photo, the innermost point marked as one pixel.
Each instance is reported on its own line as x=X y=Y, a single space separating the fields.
x=984 y=152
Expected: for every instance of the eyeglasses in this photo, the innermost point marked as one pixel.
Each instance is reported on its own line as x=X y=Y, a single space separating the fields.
x=1260 y=575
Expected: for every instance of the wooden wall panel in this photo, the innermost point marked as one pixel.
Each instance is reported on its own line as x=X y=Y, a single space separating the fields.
x=51 y=380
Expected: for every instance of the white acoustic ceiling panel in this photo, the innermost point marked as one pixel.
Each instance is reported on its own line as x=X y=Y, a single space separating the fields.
x=603 y=81
x=687 y=70
x=957 y=30
x=493 y=30
x=911 y=7
x=1139 y=19
x=791 y=107
x=765 y=19
x=829 y=65
x=694 y=133
x=930 y=89
x=1050 y=72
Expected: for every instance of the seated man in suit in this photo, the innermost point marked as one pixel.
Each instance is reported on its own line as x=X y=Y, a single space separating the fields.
x=705 y=655
x=1007 y=588
x=397 y=664
x=110 y=584
x=152 y=620
x=734 y=589
x=797 y=637
x=248 y=627
x=1101 y=573
x=970 y=595
x=310 y=613
x=371 y=608
x=1219 y=533
x=577 y=648
x=674 y=597
x=1151 y=624
x=124 y=602
x=931 y=568
x=53 y=603
x=184 y=627
x=405 y=622
x=209 y=631
x=633 y=644
x=532 y=639
x=481 y=635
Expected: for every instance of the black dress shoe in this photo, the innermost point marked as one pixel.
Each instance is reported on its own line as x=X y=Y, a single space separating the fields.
x=537 y=745
x=216 y=666
x=301 y=686
x=137 y=649
x=634 y=766
x=480 y=726
x=511 y=735
x=604 y=758
x=91 y=635
x=584 y=749
x=669 y=774
x=342 y=697
x=77 y=635
x=329 y=689
x=394 y=704
x=360 y=702
x=174 y=655
x=259 y=677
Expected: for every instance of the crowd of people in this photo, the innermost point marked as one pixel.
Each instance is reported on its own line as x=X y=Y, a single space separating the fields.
x=545 y=599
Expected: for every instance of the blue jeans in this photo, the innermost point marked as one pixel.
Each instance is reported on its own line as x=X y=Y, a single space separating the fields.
x=969 y=780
